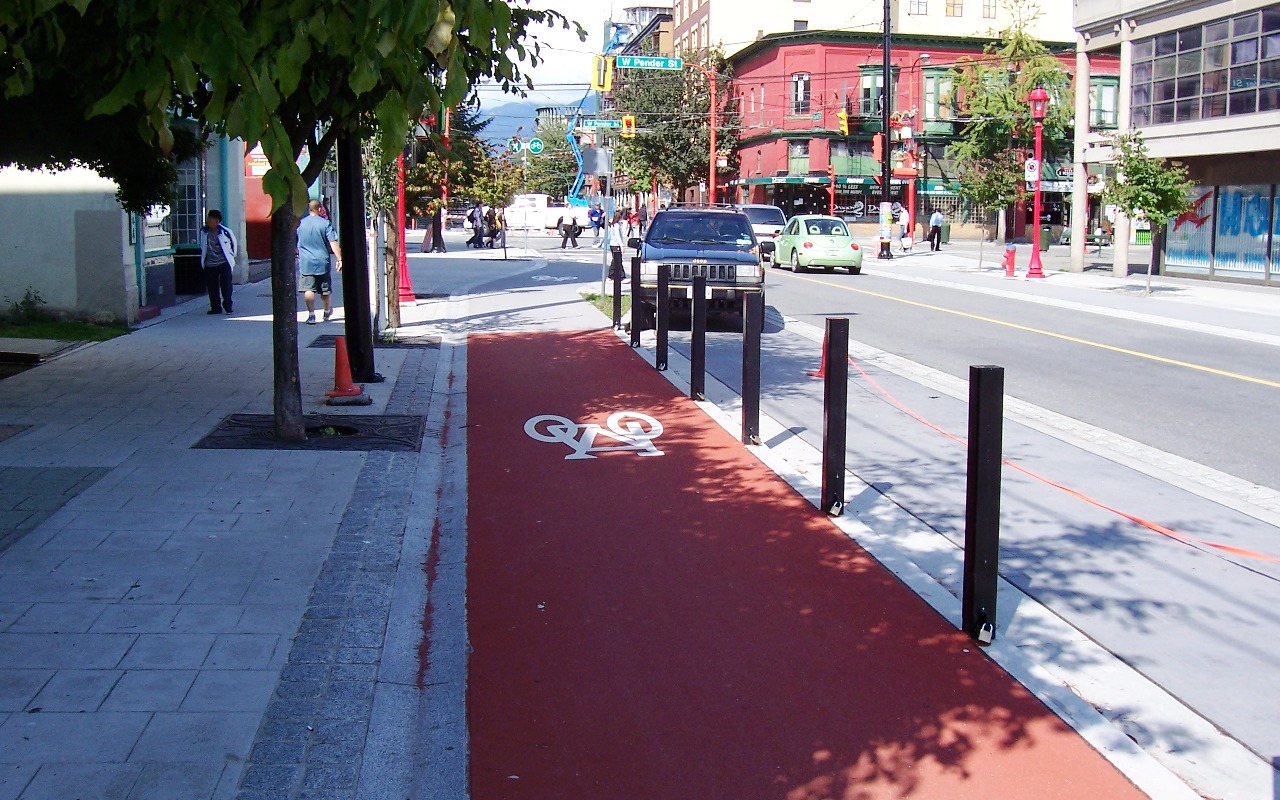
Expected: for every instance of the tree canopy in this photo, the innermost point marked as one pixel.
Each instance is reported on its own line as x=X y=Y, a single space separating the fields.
x=676 y=145
x=552 y=171
x=997 y=124
x=1145 y=185
x=293 y=75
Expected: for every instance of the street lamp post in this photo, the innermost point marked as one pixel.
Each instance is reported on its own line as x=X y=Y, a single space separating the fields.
x=1039 y=101
x=886 y=102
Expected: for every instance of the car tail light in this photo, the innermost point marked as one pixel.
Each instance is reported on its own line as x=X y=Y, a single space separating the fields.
x=807 y=245
x=854 y=245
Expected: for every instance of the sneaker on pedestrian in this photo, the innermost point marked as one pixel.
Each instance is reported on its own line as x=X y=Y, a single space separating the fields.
x=228 y=308
x=328 y=314
x=214 y=311
x=311 y=319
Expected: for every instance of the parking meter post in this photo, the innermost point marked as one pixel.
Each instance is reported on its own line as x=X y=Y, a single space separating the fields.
x=752 y=316
x=663 y=316
x=982 y=502
x=698 y=336
x=835 y=415
x=635 y=300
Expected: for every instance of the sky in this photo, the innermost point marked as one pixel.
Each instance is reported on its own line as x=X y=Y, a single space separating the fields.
x=565 y=72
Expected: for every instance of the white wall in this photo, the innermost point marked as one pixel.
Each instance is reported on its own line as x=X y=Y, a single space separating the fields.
x=64 y=235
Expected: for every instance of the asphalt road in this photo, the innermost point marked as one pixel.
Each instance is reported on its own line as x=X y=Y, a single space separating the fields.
x=1196 y=395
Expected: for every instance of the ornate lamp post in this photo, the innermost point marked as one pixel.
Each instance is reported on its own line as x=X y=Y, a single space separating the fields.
x=1039 y=101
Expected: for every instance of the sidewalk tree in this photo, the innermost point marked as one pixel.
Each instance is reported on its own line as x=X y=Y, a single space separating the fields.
x=998 y=131
x=290 y=76
x=673 y=111
x=552 y=171
x=1145 y=186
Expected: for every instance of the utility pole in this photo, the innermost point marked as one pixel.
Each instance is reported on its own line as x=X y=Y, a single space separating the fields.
x=886 y=207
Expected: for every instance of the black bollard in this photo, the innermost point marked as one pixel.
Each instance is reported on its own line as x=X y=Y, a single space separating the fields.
x=663 y=316
x=698 y=339
x=617 y=299
x=635 y=301
x=982 y=503
x=835 y=414
x=752 y=319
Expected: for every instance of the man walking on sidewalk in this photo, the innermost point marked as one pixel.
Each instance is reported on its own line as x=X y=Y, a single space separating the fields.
x=936 y=220
x=316 y=238
x=217 y=254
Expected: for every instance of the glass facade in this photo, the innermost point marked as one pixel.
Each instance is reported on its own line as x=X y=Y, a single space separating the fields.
x=1222 y=68
x=1230 y=232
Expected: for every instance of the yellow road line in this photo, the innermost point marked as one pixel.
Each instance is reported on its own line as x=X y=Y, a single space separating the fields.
x=1062 y=336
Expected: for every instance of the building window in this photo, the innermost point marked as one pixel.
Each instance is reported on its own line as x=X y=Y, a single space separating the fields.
x=800 y=25
x=939 y=96
x=918 y=7
x=798 y=157
x=869 y=92
x=762 y=106
x=1227 y=67
x=988 y=9
x=706 y=35
x=800 y=93
x=955 y=8
x=186 y=216
x=1104 y=103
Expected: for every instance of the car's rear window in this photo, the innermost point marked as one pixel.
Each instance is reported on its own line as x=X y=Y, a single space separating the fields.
x=765 y=216
x=731 y=230
x=824 y=227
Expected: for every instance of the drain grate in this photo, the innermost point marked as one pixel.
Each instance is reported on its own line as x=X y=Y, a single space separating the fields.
x=421 y=340
x=395 y=433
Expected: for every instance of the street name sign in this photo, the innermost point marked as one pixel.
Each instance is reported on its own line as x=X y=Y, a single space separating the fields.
x=600 y=123
x=649 y=62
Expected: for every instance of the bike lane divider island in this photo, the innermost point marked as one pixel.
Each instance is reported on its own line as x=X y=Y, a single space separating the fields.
x=653 y=613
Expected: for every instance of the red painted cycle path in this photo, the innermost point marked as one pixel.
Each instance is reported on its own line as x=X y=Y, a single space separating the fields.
x=687 y=627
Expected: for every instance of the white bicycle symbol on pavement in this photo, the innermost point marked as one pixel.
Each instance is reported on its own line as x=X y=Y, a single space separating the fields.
x=632 y=430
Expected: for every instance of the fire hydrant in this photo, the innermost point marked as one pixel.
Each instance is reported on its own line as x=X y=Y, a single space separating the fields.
x=1008 y=261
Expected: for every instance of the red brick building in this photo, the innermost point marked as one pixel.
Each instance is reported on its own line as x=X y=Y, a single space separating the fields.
x=790 y=88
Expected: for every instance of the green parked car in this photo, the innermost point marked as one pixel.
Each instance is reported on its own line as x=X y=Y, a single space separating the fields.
x=817 y=241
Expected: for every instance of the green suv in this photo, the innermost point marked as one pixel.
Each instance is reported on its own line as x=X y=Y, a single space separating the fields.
x=717 y=243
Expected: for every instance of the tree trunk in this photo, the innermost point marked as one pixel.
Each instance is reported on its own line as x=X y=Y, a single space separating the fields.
x=391 y=264
x=289 y=424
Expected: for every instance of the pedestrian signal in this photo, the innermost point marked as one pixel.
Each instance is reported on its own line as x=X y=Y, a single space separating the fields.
x=843 y=116
x=602 y=74
x=629 y=126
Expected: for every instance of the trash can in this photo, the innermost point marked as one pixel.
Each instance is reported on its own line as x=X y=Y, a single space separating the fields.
x=946 y=233
x=1046 y=233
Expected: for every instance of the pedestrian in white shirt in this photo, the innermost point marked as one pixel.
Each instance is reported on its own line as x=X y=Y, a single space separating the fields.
x=615 y=242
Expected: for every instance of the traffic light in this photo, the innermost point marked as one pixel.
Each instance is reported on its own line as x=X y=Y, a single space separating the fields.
x=877 y=147
x=831 y=173
x=628 y=126
x=602 y=74
x=843 y=116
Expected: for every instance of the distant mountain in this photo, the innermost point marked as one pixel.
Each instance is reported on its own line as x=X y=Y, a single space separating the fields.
x=519 y=115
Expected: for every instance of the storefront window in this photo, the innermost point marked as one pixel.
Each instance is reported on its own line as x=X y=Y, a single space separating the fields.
x=1242 y=230
x=1189 y=240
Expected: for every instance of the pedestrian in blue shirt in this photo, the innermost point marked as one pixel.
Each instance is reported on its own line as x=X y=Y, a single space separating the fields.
x=316 y=239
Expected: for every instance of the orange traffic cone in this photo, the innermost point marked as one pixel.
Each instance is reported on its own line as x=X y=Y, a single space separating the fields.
x=342 y=385
x=822 y=366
